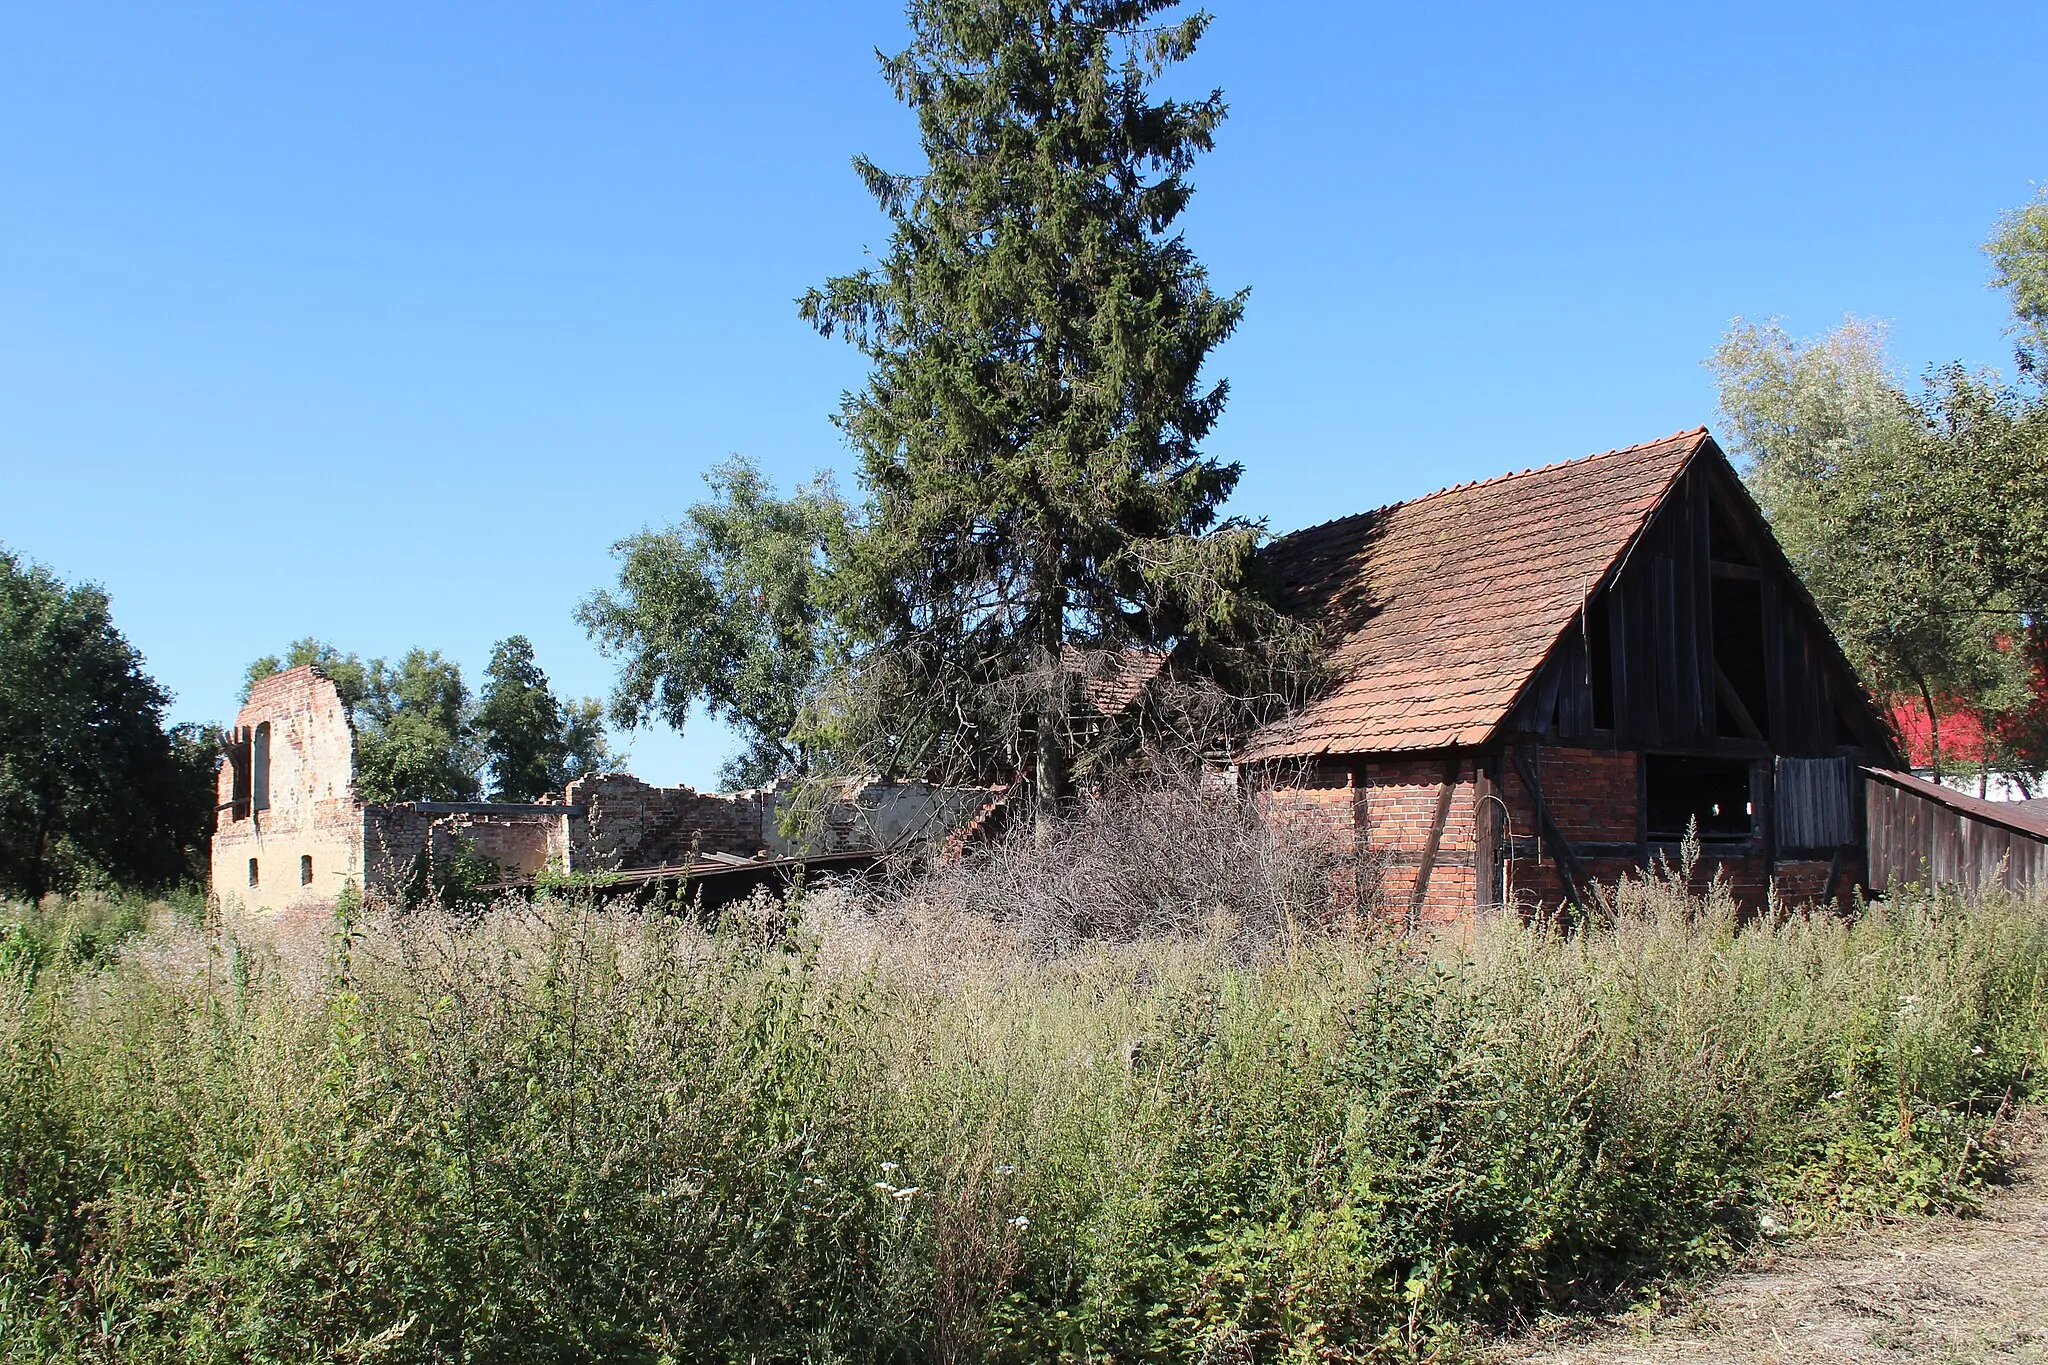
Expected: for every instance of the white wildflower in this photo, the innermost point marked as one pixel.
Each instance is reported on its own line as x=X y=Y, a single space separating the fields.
x=906 y=1192
x=1020 y=1222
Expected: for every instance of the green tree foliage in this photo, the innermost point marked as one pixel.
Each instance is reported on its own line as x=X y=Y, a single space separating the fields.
x=419 y=737
x=1030 y=434
x=417 y=745
x=2019 y=253
x=531 y=742
x=90 y=780
x=1914 y=519
x=1920 y=520
x=413 y=739
x=730 y=609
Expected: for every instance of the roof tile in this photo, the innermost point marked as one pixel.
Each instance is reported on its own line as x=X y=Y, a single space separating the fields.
x=1440 y=609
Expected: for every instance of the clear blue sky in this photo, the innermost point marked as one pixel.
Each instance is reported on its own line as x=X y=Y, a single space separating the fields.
x=382 y=322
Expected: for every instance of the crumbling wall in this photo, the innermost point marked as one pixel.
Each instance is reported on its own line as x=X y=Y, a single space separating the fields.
x=290 y=833
x=630 y=824
x=523 y=841
x=868 y=815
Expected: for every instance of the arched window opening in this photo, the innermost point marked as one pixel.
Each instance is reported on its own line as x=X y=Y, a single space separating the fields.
x=259 y=763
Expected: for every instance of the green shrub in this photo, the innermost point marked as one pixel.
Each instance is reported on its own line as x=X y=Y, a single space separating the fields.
x=553 y=1133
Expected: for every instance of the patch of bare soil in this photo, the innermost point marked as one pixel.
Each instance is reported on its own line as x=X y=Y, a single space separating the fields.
x=1924 y=1289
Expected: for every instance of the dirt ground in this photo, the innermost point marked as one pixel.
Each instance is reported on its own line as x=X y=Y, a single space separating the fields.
x=1933 y=1289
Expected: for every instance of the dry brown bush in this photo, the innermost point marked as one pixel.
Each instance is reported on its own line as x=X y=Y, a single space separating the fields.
x=1172 y=857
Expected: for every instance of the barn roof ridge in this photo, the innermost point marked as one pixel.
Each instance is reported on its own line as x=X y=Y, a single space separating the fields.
x=1443 y=607
x=1470 y=484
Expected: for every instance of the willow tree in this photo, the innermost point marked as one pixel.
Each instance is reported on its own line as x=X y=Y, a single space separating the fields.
x=1030 y=435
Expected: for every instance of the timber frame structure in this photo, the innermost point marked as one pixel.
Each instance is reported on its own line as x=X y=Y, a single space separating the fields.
x=1547 y=679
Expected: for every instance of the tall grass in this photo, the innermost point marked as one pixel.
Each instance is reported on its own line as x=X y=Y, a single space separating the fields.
x=857 y=1132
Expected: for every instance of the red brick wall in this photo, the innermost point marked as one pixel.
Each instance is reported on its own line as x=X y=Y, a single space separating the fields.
x=1591 y=794
x=1401 y=800
x=1376 y=815
x=1381 y=810
x=1321 y=805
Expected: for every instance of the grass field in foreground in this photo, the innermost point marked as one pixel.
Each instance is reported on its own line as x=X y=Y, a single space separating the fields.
x=899 y=1131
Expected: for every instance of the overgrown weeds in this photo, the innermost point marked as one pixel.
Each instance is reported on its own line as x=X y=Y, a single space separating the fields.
x=912 y=1133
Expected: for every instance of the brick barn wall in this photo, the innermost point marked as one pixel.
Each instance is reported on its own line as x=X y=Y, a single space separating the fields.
x=1321 y=805
x=1592 y=794
x=1374 y=817
x=1401 y=800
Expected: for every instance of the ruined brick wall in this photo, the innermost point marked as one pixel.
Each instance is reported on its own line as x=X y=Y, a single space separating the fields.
x=522 y=844
x=522 y=840
x=393 y=839
x=631 y=824
x=307 y=844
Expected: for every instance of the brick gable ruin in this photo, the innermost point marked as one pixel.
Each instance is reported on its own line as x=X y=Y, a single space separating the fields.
x=292 y=834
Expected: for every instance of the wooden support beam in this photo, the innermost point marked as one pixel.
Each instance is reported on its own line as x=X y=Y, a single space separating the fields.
x=1725 y=692
x=1570 y=869
x=1485 y=838
x=1721 y=568
x=1436 y=836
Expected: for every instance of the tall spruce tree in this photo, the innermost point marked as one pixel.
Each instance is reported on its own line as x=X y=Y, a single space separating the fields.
x=1030 y=434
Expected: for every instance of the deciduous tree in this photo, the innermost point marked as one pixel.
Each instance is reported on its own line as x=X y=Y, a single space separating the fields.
x=90 y=780
x=1907 y=515
x=731 y=609
x=531 y=742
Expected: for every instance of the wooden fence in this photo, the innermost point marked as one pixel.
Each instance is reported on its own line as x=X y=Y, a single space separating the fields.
x=1922 y=832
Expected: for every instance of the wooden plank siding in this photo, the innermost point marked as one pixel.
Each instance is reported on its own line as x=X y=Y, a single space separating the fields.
x=1921 y=834
x=1816 y=803
x=1663 y=676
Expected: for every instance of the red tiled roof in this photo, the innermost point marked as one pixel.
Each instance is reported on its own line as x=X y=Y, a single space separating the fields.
x=1441 y=609
x=1112 y=680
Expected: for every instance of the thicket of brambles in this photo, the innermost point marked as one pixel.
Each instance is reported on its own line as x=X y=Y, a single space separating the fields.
x=930 y=1122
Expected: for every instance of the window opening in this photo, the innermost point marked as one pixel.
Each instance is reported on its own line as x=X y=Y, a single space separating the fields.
x=1600 y=661
x=1713 y=791
x=259 y=766
x=238 y=776
x=252 y=872
x=305 y=869
x=1738 y=606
